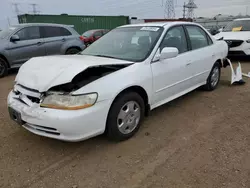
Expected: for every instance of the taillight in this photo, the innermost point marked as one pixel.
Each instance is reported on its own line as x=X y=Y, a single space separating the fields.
x=81 y=38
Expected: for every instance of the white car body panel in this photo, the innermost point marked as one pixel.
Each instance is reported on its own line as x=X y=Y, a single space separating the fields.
x=163 y=81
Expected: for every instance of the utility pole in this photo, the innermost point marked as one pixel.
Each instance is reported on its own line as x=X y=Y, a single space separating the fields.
x=169 y=9
x=191 y=6
x=184 y=10
x=16 y=8
x=34 y=10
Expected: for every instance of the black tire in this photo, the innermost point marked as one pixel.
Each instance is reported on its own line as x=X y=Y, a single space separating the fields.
x=210 y=85
x=3 y=68
x=72 y=51
x=112 y=129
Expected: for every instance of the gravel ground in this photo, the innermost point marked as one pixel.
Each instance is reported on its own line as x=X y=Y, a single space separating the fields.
x=199 y=140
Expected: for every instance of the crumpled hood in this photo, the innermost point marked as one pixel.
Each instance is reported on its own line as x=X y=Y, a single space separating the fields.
x=42 y=73
x=241 y=35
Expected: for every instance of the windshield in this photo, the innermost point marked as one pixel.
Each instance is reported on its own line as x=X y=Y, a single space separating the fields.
x=88 y=33
x=238 y=25
x=128 y=43
x=6 y=33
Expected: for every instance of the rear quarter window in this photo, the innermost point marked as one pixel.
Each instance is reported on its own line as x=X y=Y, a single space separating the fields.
x=53 y=31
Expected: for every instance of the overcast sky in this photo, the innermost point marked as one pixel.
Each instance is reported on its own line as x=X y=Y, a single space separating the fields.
x=136 y=8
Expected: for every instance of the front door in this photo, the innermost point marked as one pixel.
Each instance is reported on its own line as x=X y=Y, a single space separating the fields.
x=30 y=45
x=171 y=77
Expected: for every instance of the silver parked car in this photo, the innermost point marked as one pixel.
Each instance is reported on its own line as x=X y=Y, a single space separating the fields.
x=21 y=42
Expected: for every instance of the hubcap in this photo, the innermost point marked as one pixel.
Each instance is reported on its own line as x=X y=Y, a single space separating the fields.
x=215 y=76
x=129 y=117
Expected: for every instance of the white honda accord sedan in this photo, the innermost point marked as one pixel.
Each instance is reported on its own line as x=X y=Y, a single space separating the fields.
x=111 y=85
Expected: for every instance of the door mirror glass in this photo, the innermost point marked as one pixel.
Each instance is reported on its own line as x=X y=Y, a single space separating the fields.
x=14 y=38
x=168 y=52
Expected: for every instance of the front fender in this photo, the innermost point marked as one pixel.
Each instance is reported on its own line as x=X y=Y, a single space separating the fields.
x=108 y=87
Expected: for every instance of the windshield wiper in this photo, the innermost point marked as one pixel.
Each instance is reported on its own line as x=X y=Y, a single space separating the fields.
x=106 y=56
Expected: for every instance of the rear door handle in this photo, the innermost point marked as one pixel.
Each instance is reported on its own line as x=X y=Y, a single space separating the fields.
x=39 y=43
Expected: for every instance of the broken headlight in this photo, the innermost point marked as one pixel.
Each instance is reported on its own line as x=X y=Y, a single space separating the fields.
x=69 y=102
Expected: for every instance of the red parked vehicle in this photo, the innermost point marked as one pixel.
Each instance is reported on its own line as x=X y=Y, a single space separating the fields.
x=92 y=35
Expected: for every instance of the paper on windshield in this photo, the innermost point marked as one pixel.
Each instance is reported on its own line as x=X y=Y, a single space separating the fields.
x=149 y=29
x=237 y=28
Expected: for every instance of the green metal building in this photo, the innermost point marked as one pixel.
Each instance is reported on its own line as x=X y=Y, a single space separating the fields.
x=81 y=23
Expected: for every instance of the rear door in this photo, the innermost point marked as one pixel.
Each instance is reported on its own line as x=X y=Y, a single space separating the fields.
x=202 y=50
x=54 y=38
x=30 y=45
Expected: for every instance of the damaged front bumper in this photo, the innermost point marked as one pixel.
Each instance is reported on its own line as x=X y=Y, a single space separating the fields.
x=67 y=125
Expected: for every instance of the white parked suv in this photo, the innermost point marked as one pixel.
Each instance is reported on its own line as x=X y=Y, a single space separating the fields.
x=237 y=35
x=111 y=85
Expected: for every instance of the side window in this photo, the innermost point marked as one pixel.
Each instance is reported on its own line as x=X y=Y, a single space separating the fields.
x=98 y=34
x=51 y=31
x=198 y=37
x=29 y=33
x=65 y=32
x=175 y=37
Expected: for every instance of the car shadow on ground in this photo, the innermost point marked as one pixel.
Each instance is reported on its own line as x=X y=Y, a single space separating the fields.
x=242 y=59
x=13 y=71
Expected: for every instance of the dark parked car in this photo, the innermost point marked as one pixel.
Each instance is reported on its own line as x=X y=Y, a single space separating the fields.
x=21 y=42
x=92 y=35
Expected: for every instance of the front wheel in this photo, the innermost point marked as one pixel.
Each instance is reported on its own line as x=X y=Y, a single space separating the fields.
x=213 y=78
x=125 y=116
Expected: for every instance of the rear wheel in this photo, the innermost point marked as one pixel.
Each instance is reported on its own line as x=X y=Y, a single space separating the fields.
x=72 y=51
x=125 y=116
x=3 y=68
x=213 y=78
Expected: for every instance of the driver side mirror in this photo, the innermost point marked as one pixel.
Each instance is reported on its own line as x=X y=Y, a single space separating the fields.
x=14 y=38
x=168 y=53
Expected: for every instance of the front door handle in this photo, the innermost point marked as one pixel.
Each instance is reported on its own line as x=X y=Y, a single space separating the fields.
x=63 y=39
x=188 y=64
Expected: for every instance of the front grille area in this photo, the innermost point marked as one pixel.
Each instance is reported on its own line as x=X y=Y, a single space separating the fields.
x=32 y=95
x=234 y=43
x=42 y=129
x=34 y=99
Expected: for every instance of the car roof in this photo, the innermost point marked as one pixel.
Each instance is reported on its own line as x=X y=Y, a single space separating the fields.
x=40 y=24
x=242 y=19
x=160 y=24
